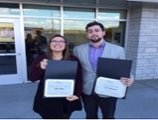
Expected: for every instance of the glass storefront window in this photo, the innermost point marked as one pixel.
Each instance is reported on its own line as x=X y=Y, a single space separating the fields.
x=40 y=10
x=112 y=14
x=9 y=9
x=8 y=65
x=74 y=31
x=48 y=27
x=79 y=13
x=115 y=32
x=37 y=45
x=7 y=42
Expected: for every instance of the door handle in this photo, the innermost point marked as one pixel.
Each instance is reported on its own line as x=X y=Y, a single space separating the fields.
x=2 y=54
x=10 y=54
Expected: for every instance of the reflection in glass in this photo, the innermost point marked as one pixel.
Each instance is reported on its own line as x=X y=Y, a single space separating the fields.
x=7 y=43
x=33 y=42
x=9 y=9
x=48 y=27
x=112 y=14
x=78 y=13
x=75 y=32
x=115 y=32
x=37 y=10
x=8 y=65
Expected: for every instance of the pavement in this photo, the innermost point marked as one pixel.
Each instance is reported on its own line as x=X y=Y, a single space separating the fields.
x=141 y=102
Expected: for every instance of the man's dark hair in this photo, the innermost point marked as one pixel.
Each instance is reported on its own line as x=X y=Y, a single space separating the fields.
x=95 y=23
x=38 y=32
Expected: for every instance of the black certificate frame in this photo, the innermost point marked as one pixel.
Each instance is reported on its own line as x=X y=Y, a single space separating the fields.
x=60 y=70
x=113 y=68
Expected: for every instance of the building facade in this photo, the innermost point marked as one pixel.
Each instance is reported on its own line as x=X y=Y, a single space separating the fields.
x=132 y=25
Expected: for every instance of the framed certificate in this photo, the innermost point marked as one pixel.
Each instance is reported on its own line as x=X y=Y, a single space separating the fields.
x=110 y=87
x=58 y=87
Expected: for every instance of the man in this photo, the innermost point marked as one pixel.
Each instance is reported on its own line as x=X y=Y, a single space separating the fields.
x=42 y=41
x=88 y=55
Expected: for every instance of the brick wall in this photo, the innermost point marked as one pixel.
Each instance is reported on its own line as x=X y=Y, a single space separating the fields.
x=142 y=45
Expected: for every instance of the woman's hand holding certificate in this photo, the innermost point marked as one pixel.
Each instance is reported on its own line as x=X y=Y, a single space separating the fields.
x=43 y=64
x=72 y=98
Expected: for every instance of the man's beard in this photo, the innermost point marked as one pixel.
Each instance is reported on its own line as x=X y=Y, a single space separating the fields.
x=95 y=41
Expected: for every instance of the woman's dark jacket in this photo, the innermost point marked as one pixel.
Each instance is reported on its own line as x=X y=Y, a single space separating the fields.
x=53 y=106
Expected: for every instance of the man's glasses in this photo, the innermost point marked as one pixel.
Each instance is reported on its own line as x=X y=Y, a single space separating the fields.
x=61 y=42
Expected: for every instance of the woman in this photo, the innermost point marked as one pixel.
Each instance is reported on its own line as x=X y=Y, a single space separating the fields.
x=57 y=49
x=28 y=44
x=29 y=38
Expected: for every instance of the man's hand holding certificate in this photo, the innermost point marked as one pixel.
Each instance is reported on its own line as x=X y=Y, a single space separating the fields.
x=127 y=81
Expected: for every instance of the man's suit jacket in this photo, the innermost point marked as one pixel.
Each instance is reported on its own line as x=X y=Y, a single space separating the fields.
x=89 y=75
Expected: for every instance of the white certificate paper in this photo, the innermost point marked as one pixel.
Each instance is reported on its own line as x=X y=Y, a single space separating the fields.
x=58 y=87
x=110 y=87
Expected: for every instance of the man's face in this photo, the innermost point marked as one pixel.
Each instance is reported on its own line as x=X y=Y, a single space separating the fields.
x=95 y=33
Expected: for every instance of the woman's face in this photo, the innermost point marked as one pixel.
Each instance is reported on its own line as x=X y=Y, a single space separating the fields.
x=57 y=44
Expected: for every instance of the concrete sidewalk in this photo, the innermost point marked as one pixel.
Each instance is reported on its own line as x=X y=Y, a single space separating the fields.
x=141 y=102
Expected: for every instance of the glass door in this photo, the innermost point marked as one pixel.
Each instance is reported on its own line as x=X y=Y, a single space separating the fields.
x=10 y=55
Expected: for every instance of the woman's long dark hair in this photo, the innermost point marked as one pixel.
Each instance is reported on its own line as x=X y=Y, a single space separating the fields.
x=65 y=51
